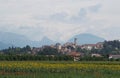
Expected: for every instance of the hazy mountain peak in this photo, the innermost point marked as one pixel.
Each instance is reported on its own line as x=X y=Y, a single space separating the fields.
x=46 y=41
x=87 y=38
x=45 y=38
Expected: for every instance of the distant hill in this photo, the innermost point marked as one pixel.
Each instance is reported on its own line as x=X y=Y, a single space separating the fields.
x=14 y=39
x=4 y=46
x=21 y=41
x=87 y=39
x=8 y=39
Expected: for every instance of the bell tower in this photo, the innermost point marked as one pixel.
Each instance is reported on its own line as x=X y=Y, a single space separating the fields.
x=75 y=41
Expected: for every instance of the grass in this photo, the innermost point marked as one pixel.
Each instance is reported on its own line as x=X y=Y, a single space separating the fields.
x=59 y=75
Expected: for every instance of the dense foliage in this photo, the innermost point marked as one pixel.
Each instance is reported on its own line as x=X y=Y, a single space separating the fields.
x=111 y=47
x=35 y=58
x=48 y=51
x=16 y=50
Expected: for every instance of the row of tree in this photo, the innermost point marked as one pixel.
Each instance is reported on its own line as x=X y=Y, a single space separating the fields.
x=34 y=58
x=50 y=58
x=16 y=50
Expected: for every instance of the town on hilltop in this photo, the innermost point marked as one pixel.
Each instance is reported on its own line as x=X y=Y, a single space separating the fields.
x=99 y=51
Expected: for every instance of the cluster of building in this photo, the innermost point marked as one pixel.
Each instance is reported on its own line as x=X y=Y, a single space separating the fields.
x=70 y=48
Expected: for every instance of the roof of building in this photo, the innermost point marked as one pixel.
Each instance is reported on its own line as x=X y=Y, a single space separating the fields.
x=116 y=56
x=74 y=53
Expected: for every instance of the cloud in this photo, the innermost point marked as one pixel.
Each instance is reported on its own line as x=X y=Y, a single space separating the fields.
x=81 y=17
x=77 y=18
x=59 y=19
x=95 y=8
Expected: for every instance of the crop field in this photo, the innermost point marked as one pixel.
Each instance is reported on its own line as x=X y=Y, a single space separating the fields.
x=37 y=69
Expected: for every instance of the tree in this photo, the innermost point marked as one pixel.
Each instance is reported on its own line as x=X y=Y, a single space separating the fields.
x=48 y=51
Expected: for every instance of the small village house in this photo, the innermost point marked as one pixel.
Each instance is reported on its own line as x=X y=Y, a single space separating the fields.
x=75 y=55
x=96 y=55
x=114 y=56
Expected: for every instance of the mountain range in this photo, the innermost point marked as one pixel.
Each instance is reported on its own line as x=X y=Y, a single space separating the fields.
x=8 y=39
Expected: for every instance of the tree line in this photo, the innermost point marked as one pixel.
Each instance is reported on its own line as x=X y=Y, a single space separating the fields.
x=34 y=58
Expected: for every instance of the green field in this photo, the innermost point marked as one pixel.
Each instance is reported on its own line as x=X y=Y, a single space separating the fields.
x=37 y=69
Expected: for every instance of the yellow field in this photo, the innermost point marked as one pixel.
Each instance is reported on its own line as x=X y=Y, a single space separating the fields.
x=28 y=69
x=26 y=66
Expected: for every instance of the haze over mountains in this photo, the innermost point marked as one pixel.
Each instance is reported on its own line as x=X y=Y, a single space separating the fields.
x=8 y=39
x=87 y=39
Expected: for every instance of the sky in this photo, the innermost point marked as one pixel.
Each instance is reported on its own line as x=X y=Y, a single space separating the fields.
x=60 y=19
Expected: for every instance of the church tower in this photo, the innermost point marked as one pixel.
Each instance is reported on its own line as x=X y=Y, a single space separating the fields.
x=75 y=41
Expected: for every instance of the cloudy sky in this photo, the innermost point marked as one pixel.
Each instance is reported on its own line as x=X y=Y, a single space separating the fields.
x=60 y=19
